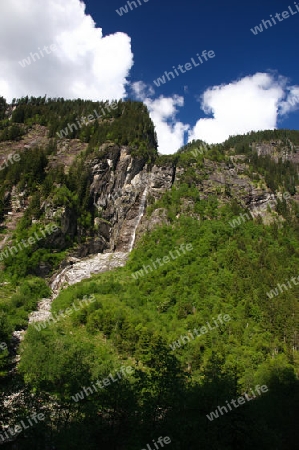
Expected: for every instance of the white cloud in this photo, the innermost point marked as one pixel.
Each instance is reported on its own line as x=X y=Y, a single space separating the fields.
x=89 y=65
x=142 y=90
x=86 y=64
x=163 y=112
x=292 y=101
x=250 y=104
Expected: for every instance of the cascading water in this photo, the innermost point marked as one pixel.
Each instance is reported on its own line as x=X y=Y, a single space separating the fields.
x=74 y=274
x=83 y=269
x=139 y=217
x=86 y=267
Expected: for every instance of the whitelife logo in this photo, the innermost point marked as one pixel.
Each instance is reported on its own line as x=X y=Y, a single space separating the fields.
x=188 y=66
x=27 y=61
x=86 y=120
x=30 y=241
x=285 y=15
x=274 y=292
x=102 y=383
x=166 y=260
x=124 y=9
x=20 y=427
x=11 y=159
x=293 y=100
x=166 y=440
x=200 y=151
x=42 y=325
x=241 y=401
x=203 y=330
x=3 y=346
x=258 y=210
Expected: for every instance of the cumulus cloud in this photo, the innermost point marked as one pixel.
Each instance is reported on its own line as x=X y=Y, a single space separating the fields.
x=253 y=103
x=170 y=132
x=142 y=91
x=250 y=104
x=292 y=101
x=86 y=64
x=163 y=112
x=89 y=65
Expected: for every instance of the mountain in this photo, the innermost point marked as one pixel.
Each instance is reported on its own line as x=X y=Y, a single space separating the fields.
x=152 y=294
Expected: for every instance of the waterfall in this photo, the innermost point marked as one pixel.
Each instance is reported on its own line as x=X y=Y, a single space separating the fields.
x=102 y=262
x=140 y=214
x=98 y=263
x=80 y=270
x=92 y=264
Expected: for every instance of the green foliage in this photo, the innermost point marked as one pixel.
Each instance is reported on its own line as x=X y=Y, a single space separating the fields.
x=279 y=176
x=228 y=271
x=28 y=172
x=136 y=320
x=3 y=107
x=260 y=136
x=12 y=133
x=126 y=124
x=22 y=302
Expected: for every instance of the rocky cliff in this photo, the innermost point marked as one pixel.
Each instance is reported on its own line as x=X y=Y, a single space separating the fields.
x=122 y=184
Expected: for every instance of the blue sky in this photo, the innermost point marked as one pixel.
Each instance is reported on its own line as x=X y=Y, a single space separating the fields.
x=247 y=85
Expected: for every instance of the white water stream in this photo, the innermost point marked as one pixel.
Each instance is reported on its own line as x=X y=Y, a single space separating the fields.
x=139 y=217
x=70 y=275
x=102 y=262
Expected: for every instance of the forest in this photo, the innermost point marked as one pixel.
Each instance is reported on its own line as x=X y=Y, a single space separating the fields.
x=140 y=327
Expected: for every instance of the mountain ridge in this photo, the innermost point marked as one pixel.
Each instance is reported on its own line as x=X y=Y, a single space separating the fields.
x=117 y=204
